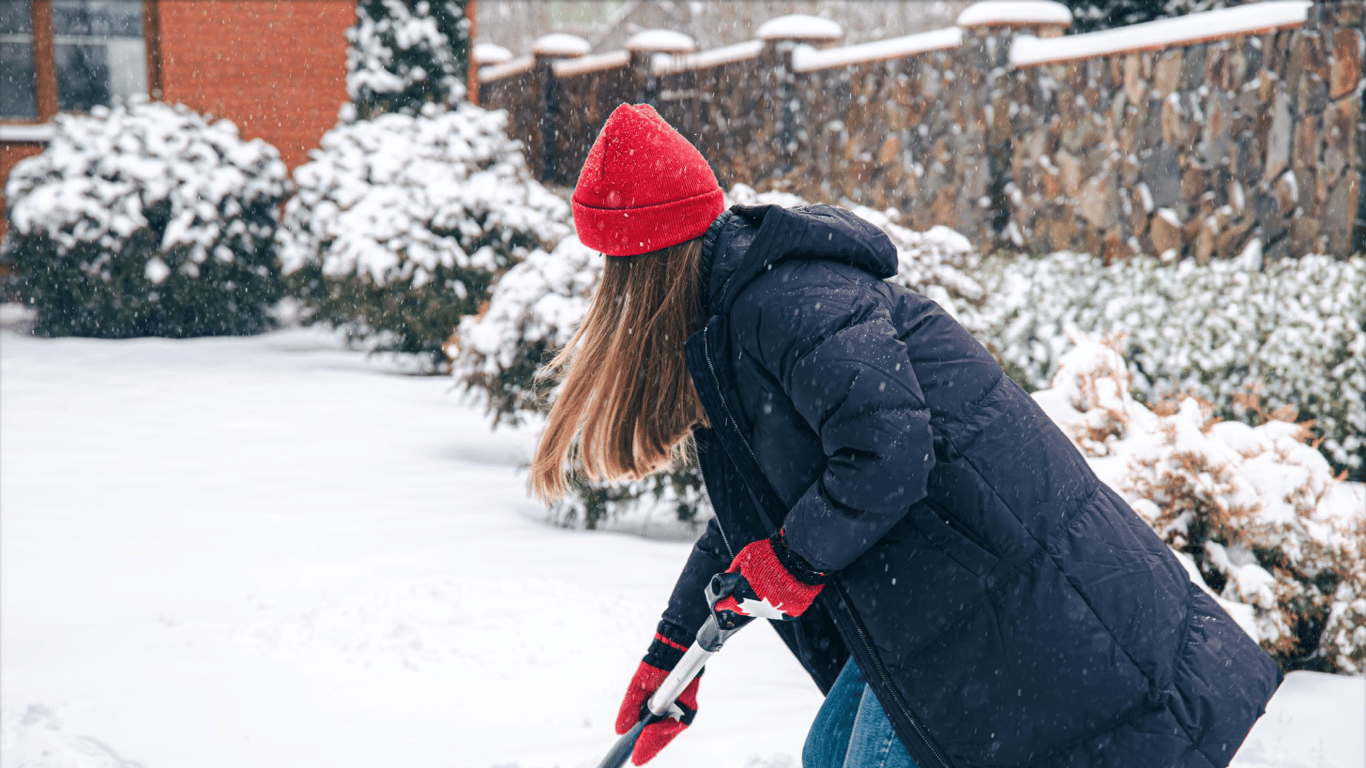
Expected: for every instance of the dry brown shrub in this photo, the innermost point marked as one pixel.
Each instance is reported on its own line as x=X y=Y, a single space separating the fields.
x=1194 y=495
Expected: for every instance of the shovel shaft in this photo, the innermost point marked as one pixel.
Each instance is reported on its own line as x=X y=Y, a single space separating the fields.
x=709 y=640
x=683 y=673
x=621 y=751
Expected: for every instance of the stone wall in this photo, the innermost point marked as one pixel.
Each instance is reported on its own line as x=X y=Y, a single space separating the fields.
x=905 y=133
x=1195 y=147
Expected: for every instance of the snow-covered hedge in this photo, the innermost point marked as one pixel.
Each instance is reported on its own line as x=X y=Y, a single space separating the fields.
x=401 y=223
x=1254 y=512
x=146 y=220
x=1294 y=331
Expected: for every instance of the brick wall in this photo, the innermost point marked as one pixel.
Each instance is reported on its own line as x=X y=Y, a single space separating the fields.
x=276 y=68
x=11 y=152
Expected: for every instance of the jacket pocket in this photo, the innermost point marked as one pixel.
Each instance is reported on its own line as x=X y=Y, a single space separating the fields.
x=960 y=545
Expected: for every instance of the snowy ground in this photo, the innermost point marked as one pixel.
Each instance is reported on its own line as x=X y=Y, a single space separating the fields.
x=273 y=552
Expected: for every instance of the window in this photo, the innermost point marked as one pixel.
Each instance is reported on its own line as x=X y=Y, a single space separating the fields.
x=18 y=95
x=69 y=55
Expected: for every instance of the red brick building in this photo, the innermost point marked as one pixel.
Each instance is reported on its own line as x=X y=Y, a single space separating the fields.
x=276 y=68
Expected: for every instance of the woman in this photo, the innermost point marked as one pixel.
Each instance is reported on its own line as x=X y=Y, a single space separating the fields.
x=935 y=552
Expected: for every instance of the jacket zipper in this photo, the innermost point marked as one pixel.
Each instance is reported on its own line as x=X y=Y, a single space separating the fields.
x=720 y=394
x=719 y=528
x=844 y=601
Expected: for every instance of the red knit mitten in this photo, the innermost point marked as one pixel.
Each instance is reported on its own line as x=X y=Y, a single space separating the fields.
x=777 y=583
x=665 y=652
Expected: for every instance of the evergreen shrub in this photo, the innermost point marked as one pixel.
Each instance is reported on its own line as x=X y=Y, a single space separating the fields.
x=404 y=55
x=401 y=224
x=146 y=220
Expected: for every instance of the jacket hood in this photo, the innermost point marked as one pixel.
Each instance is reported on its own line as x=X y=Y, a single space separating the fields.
x=748 y=239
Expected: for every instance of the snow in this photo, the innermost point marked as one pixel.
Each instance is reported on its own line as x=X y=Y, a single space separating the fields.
x=489 y=53
x=1253 y=18
x=561 y=44
x=269 y=551
x=1014 y=12
x=728 y=54
x=661 y=40
x=507 y=69
x=806 y=58
x=594 y=63
x=800 y=26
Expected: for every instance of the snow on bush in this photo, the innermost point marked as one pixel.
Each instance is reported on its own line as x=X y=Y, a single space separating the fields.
x=533 y=312
x=1295 y=331
x=404 y=55
x=401 y=223
x=1256 y=510
x=146 y=220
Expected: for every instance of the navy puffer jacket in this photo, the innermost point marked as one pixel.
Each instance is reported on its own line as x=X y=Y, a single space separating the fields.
x=1007 y=608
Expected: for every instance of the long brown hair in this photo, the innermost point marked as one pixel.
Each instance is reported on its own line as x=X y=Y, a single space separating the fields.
x=627 y=404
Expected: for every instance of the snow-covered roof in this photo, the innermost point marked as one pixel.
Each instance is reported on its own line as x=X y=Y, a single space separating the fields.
x=661 y=40
x=585 y=64
x=713 y=58
x=1009 y=12
x=806 y=58
x=507 y=69
x=799 y=26
x=560 y=44
x=488 y=53
x=1254 y=18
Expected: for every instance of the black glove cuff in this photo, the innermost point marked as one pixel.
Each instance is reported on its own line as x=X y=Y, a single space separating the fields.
x=670 y=643
x=793 y=562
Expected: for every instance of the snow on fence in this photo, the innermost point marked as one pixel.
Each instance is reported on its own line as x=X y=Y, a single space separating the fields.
x=1194 y=136
x=1220 y=24
x=807 y=59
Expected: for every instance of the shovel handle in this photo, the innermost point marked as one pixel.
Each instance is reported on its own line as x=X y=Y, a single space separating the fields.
x=621 y=751
x=714 y=632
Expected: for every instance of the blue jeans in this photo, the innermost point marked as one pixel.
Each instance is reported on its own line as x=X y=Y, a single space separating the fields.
x=852 y=731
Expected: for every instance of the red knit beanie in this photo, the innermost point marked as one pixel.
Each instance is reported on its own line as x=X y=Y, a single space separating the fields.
x=643 y=186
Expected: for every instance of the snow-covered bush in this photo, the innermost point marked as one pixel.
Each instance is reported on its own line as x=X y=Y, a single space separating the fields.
x=1255 y=510
x=146 y=220
x=401 y=223
x=404 y=55
x=1294 y=330
x=533 y=312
